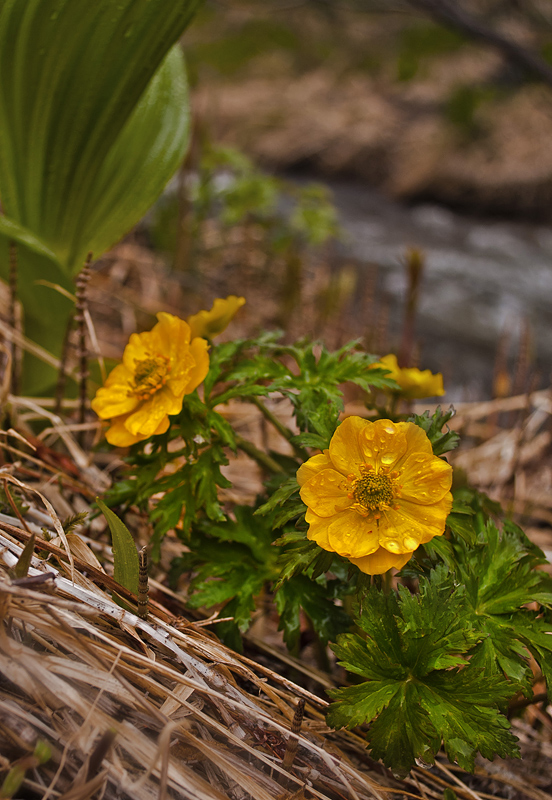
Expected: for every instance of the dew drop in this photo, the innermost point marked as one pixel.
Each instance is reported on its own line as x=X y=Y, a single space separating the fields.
x=410 y=543
x=423 y=764
x=387 y=459
x=392 y=546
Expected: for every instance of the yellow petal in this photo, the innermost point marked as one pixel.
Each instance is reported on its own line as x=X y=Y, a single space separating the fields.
x=414 y=383
x=389 y=362
x=179 y=377
x=417 y=383
x=346 y=533
x=352 y=535
x=162 y=427
x=358 y=441
x=379 y=562
x=326 y=493
x=345 y=450
x=198 y=373
x=318 y=529
x=146 y=419
x=139 y=347
x=416 y=438
x=173 y=335
x=119 y=436
x=425 y=479
x=311 y=467
x=208 y=324
x=403 y=529
x=114 y=398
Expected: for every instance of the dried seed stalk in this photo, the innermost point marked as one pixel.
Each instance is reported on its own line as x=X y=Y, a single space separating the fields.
x=291 y=747
x=143 y=584
x=82 y=353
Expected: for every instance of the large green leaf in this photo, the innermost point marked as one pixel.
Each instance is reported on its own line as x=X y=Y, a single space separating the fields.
x=71 y=76
x=93 y=123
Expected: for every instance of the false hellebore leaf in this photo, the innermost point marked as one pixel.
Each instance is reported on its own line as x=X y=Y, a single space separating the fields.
x=93 y=123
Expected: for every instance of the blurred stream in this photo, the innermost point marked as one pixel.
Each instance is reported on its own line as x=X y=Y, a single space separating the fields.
x=484 y=281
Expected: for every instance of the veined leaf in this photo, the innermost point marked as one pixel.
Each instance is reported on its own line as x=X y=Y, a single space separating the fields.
x=93 y=123
x=125 y=555
x=73 y=75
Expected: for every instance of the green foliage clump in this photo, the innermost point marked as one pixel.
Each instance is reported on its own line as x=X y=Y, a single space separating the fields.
x=431 y=664
x=235 y=558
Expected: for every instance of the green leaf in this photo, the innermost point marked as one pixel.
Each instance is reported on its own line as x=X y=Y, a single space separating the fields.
x=460 y=521
x=68 y=94
x=93 y=123
x=283 y=493
x=232 y=562
x=501 y=577
x=300 y=592
x=125 y=556
x=310 y=440
x=301 y=555
x=420 y=688
x=433 y=426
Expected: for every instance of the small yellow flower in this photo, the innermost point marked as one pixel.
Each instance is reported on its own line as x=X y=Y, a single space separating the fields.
x=159 y=367
x=414 y=383
x=210 y=323
x=376 y=494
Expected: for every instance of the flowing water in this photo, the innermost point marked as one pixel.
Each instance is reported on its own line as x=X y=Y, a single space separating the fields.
x=485 y=282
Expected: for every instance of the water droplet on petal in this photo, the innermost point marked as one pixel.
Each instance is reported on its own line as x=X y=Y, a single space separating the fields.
x=387 y=459
x=410 y=543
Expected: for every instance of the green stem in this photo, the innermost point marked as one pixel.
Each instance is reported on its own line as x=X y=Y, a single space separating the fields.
x=264 y=460
x=282 y=429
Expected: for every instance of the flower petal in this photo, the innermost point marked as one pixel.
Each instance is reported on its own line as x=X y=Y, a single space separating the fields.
x=311 y=467
x=210 y=323
x=173 y=335
x=326 y=493
x=345 y=448
x=149 y=415
x=113 y=399
x=139 y=347
x=346 y=533
x=383 y=443
x=119 y=436
x=416 y=438
x=381 y=561
x=414 y=383
x=425 y=479
x=412 y=524
x=352 y=535
x=199 y=350
x=318 y=529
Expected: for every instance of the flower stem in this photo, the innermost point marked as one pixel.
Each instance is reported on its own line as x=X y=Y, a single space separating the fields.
x=263 y=459
x=282 y=429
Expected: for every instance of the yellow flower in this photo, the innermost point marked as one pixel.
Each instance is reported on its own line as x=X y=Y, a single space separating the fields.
x=376 y=494
x=210 y=323
x=159 y=367
x=414 y=383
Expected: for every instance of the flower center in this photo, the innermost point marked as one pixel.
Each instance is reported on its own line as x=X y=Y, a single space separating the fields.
x=150 y=374
x=374 y=492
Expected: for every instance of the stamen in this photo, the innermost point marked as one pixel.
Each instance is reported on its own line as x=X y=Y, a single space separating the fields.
x=150 y=375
